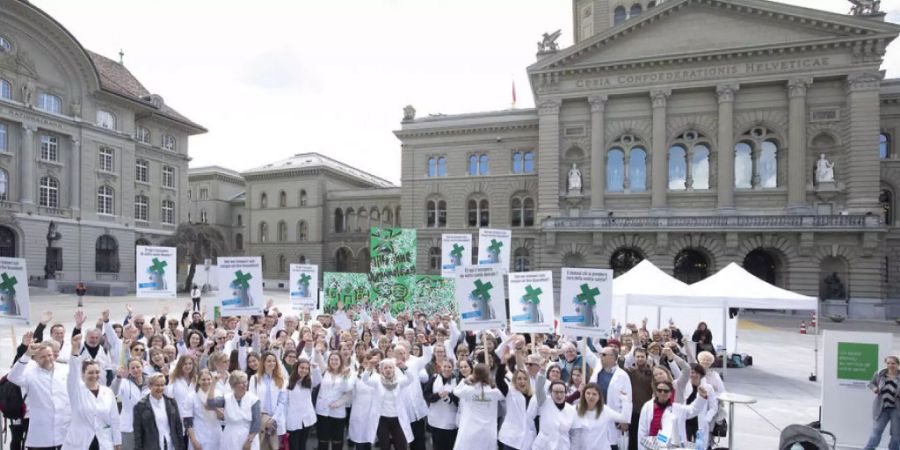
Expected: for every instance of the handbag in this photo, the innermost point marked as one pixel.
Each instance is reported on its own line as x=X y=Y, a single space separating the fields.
x=720 y=428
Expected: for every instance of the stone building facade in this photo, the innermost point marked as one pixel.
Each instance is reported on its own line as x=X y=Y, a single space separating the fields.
x=85 y=145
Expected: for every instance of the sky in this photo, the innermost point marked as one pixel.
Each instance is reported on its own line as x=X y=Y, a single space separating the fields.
x=272 y=78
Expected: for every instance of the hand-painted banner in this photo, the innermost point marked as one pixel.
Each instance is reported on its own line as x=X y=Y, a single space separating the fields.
x=493 y=247
x=304 y=279
x=585 y=303
x=433 y=294
x=392 y=261
x=240 y=285
x=344 y=290
x=156 y=267
x=456 y=250
x=531 y=302
x=14 y=300
x=480 y=297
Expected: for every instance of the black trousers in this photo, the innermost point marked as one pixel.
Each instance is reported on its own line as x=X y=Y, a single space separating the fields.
x=58 y=447
x=196 y=306
x=18 y=430
x=442 y=439
x=390 y=434
x=94 y=444
x=418 y=429
x=297 y=439
x=329 y=429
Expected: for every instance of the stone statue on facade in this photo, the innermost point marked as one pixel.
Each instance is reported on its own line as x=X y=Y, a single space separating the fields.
x=409 y=113
x=574 y=184
x=834 y=288
x=28 y=93
x=53 y=253
x=824 y=170
x=548 y=43
x=865 y=7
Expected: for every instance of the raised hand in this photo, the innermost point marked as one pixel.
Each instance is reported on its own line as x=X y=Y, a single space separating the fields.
x=80 y=317
x=105 y=315
x=46 y=317
x=270 y=303
x=28 y=338
x=129 y=309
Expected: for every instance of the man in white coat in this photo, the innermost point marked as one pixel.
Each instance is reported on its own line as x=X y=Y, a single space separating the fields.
x=614 y=382
x=48 y=399
x=417 y=408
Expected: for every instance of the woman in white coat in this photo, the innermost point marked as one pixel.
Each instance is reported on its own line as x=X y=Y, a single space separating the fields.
x=591 y=429
x=269 y=386
x=362 y=413
x=95 y=415
x=131 y=386
x=671 y=421
x=242 y=417
x=442 y=405
x=517 y=431
x=182 y=383
x=300 y=415
x=206 y=432
x=478 y=399
x=393 y=425
x=331 y=403
x=556 y=418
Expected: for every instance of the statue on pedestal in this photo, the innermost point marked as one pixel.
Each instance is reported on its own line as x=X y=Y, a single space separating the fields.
x=574 y=184
x=834 y=288
x=54 y=258
x=824 y=170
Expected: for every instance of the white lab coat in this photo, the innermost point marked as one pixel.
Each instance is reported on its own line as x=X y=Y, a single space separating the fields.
x=299 y=411
x=47 y=402
x=592 y=432
x=416 y=406
x=237 y=422
x=555 y=425
x=518 y=430
x=379 y=391
x=363 y=411
x=180 y=391
x=130 y=394
x=333 y=388
x=91 y=416
x=619 y=383
x=260 y=390
x=207 y=428
x=442 y=413
x=677 y=412
x=478 y=416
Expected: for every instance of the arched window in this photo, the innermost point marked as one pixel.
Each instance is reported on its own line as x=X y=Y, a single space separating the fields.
x=387 y=216
x=529 y=162
x=4 y=142
x=282 y=199
x=699 y=167
x=339 y=220
x=263 y=200
x=574 y=260
x=49 y=192
x=763 y=265
x=302 y=259
x=106 y=257
x=4 y=185
x=637 y=170
x=364 y=260
x=521 y=260
x=375 y=217
x=768 y=165
x=240 y=220
x=615 y=170
x=434 y=259
x=169 y=142
x=350 y=218
x=884 y=146
x=691 y=266
x=431 y=214
x=442 y=214
x=743 y=166
x=635 y=11
x=282 y=231
x=5 y=90
x=282 y=264
x=442 y=166
x=105 y=204
x=302 y=231
x=620 y=15
x=517 y=162
x=143 y=135
x=363 y=219
x=651 y=5
x=677 y=168
x=757 y=155
x=432 y=167
x=302 y=197
x=106 y=119
x=479 y=212
x=263 y=232
x=689 y=162
x=203 y=218
x=239 y=241
x=522 y=212
x=7 y=242
x=623 y=260
x=886 y=198
x=473 y=165
x=483 y=165
x=343 y=260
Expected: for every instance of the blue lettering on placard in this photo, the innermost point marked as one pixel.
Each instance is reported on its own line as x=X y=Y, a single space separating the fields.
x=231 y=301
x=151 y=284
x=471 y=315
x=448 y=266
x=571 y=319
x=521 y=318
x=296 y=294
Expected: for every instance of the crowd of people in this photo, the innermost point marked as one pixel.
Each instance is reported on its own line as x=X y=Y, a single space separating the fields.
x=287 y=380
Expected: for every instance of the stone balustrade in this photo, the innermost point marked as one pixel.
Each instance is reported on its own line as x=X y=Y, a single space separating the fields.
x=840 y=222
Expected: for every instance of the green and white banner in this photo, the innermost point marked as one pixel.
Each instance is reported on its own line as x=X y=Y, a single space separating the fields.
x=531 y=302
x=14 y=300
x=240 y=285
x=392 y=267
x=304 y=279
x=493 y=247
x=156 y=272
x=344 y=290
x=433 y=294
x=480 y=297
x=456 y=250
x=585 y=303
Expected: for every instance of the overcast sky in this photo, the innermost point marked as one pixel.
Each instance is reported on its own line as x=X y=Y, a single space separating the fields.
x=271 y=78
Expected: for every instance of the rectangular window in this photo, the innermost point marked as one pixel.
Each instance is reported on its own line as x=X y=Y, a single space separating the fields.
x=49 y=148
x=3 y=137
x=141 y=208
x=168 y=212
x=49 y=102
x=105 y=201
x=168 y=177
x=142 y=171
x=204 y=193
x=107 y=161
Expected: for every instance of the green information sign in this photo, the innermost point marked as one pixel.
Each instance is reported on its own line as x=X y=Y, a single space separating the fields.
x=433 y=294
x=349 y=288
x=856 y=362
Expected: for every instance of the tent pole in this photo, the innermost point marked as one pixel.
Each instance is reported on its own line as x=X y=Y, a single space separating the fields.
x=815 y=374
x=725 y=341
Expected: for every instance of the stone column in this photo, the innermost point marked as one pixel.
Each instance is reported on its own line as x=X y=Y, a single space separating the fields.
x=725 y=156
x=796 y=173
x=861 y=172
x=598 y=156
x=75 y=177
x=658 y=173
x=27 y=176
x=548 y=157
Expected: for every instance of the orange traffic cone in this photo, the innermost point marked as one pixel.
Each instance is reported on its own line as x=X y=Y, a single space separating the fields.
x=813 y=323
x=803 y=327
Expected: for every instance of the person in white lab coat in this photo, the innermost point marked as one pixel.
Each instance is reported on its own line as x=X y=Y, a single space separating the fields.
x=300 y=415
x=47 y=402
x=443 y=406
x=362 y=407
x=613 y=380
x=205 y=432
x=661 y=415
x=182 y=382
x=555 y=420
x=393 y=425
x=243 y=420
x=591 y=429
x=157 y=422
x=269 y=385
x=95 y=415
x=131 y=386
x=478 y=399
x=331 y=404
x=517 y=431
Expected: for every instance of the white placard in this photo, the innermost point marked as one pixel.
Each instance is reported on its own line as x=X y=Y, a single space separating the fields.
x=240 y=285
x=531 y=302
x=585 y=303
x=156 y=269
x=481 y=297
x=456 y=250
x=14 y=300
x=846 y=401
x=304 y=286
x=493 y=247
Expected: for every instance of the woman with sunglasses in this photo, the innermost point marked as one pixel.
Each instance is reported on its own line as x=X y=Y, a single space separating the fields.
x=662 y=415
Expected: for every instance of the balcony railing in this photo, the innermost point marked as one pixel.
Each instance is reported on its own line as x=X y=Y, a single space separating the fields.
x=55 y=212
x=839 y=222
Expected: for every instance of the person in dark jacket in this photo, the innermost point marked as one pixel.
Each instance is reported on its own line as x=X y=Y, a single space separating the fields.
x=148 y=419
x=703 y=337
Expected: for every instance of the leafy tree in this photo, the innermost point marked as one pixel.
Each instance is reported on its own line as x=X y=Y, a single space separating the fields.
x=194 y=243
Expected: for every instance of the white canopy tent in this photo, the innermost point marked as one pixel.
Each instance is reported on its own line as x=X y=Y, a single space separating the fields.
x=738 y=288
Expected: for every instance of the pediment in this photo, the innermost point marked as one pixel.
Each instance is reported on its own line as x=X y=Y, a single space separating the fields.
x=698 y=27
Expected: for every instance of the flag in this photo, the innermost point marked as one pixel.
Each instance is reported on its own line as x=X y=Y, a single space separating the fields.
x=514 y=93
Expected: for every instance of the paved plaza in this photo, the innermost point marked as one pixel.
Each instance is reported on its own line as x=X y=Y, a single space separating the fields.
x=778 y=379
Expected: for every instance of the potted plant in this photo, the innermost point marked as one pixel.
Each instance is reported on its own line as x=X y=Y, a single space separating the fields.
x=836 y=318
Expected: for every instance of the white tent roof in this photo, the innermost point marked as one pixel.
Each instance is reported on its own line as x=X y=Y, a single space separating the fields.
x=738 y=288
x=646 y=284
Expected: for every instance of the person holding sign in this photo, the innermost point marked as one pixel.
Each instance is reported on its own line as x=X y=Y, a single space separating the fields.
x=886 y=386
